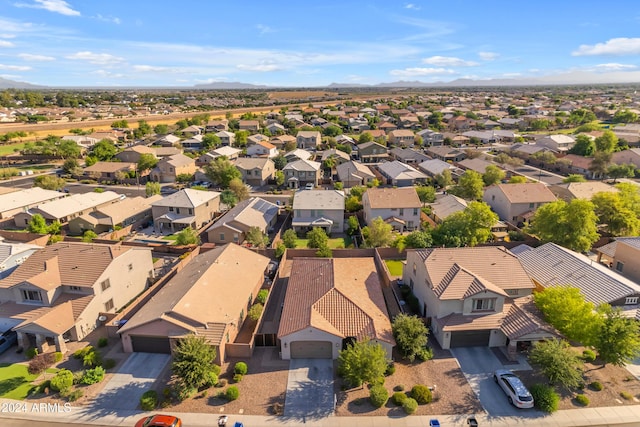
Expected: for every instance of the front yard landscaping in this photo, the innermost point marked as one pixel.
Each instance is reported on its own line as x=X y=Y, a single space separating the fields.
x=15 y=381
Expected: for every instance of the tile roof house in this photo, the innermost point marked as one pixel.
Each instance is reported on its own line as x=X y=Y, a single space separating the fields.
x=262 y=149
x=318 y=208
x=256 y=170
x=581 y=190
x=301 y=172
x=399 y=207
x=399 y=174
x=631 y=156
x=226 y=138
x=58 y=293
x=217 y=125
x=354 y=173
x=251 y=125
x=167 y=141
x=132 y=154
x=431 y=137
x=164 y=152
x=331 y=302
x=297 y=154
x=308 y=139
x=513 y=202
x=408 y=155
x=13 y=254
x=402 y=137
x=109 y=171
x=18 y=201
x=469 y=300
x=234 y=224
x=433 y=167
x=281 y=140
x=185 y=208
x=340 y=157
x=445 y=153
x=372 y=152
x=478 y=165
x=557 y=143
x=622 y=255
x=210 y=299
x=445 y=205
x=169 y=168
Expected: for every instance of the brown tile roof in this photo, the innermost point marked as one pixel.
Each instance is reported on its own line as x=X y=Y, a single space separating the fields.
x=341 y=296
x=578 y=161
x=460 y=284
x=463 y=322
x=110 y=167
x=382 y=198
x=529 y=192
x=523 y=318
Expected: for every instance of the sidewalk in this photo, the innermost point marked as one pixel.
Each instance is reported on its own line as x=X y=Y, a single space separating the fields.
x=569 y=418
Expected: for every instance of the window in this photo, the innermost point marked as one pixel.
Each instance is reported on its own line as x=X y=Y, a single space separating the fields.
x=108 y=306
x=484 y=304
x=178 y=210
x=512 y=292
x=28 y=295
x=531 y=205
x=401 y=211
x=190 y=211
x=619 y=266
x=130 y=267
x=222 y=236
x=235 y=237
x=415 y=211
x=170 y=208
x=105 y=285
x=75 y=288
x=631 y=300
x=394 y=209
x=493 y=197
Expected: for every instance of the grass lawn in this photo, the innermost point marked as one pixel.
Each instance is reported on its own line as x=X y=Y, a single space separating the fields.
x=171 y=237
x=394 y=266
x=338 y=242
x=15 y=381
x=10 y=148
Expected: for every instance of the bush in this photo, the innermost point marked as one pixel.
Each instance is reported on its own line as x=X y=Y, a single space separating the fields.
x=399 y=398
x=255 y=311
x=545 y=397
x=425 y=354
x=240 y=368
x=262 y=296
x=222 y=383
x=421 y=394
x=232 y=393
x=237 y=378
x=626 y=395
x=93 y=376
x=213 y=380
x=102 y=342
x=410 y=406
x=44 y=387
x=72 y=396
x=582 y=399
x=399 y=387
x=378 y=396
x=57 y=357
x=80 y=354
x=109 y=364
x=41 y=362
x=77 y=377
x=92 y=358
x=149 y=400
x=216 y=369
x=588 y=355
x=597 y=386
x=31 y=352
x=391 y=369
x=62 y=381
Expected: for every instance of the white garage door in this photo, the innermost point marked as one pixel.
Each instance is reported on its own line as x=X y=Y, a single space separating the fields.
x=311 y=350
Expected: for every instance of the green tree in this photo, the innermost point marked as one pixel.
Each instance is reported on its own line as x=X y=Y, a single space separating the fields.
x=332 y=131
x=68 y=149
x=612 y=212
x=210 y=140
x=146 y=162
x=353 y=225
x=621 y=171
x=600 y=163
x=352 y=204
x=317 y=238
x=104 y=150
x=470 y=186
x=49 y=182
x=574 y=177
x=426 y=193
x=71 y=167
x=228 y=198
x=193 y=361
x=142 y=130
x=558 y=362
x=280 y=162
x=241 y=138
x=256 y=237
x=518 y=179
x=289 y=238
x=88 y=236
x=444 y=179
x=584 y=146
x=625 y=116
x=279 y=178
x=493 y=175
x=378 y=235
x=221 y=171
x=572 y=225
x=362 y=362
x=187 y=236
x=618 y=338
x=607 y=142
x=630 y=195
x=365 y=137
x=581 y=116
x=469 y=227
x=161 y=129
x=120 y=124
x=37 y=225
x=239 y=189
x=151 y=188
x=411 y=335
x=418 y=239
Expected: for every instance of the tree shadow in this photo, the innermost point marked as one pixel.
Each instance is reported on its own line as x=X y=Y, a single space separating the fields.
x=11 y=384
x=313 y=398
x=120 y=402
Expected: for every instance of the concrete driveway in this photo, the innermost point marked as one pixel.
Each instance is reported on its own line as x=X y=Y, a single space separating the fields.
x=478 y=365
x=309 y=389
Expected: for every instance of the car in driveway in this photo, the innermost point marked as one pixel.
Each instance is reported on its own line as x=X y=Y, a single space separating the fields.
x=434 y=423
x=516 y=392
x=159 y=420
x=7 y=340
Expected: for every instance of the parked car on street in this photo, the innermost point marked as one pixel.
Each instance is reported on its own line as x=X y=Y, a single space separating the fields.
x=159 y=420
x=516 y=392
x=7 y=340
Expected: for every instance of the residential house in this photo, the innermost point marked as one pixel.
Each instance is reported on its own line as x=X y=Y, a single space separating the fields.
x=193 y=130
x=276 y=128
x=402 y=137
x=431 y=137
x=12 y=254
x=318 y=208
x=229 y=152
x=250 y=125
x=256 y=138
x=193 y=143
x=125 y=212
x=446 y=154
x=330 y=303
x=445 y=205
x=622 y=255
x=60 y=292
x=468 y=300
x=185 y=208
x=167 y=141
x=281 y=140
x=558 y=143
x=301 y=172
x=65 y=209
x=477 y=164
x=517 y=202
x=435 y=167
x=387 y=126
x=409 y=122
x=226 y=138
x=168 y=169
x=338 y=156
x=578 y=165
x=217 y=125
x=234 y=225
x=164 y=152
x=308 y=139
x=262 y=149
x=631 y=156
x=408 y=155
x=460 y=123
x=14 y=202
x=132 y=154
x=372 y=152
x=84 y=141
x=210 y=299
x=109 y=171
x=581 y=190
x=354 y=173
x=399 y=207
x=510 y=123
x=400 y=175
x=297 y=154
x=256 y=171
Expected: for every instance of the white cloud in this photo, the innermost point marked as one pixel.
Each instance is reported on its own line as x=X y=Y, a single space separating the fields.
x=488 y=56
x=412 y=6
x=212 y=80
x=612 y=66
x=56 y=6
x=15 y=67
x=95 y=58
x=263 y=68
x=7 y=36
x=416 y=71
x=30 y=57
x=618 y=46
x=4 y=43
x=264 y=29
x=112 y=19
x=107 y=74
x=157 y=69
x=448 y=61
x=11 y=76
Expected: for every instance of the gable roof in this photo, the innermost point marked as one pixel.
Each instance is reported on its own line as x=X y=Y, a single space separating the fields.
x=252 y=212
x=435 y=166
x=247 y=163
x=110 y=167
x=586 y=190
x=178 y=160
x=400 y=171
x=116 y=213
x=75 y=203
x=27 y=197
x=187 y=198
x=341 y=296
x=299 y=153
x=447 y=204
x=479 y=165
x=385 y=198
x=303 y=165
x=610 y=248
x=226 y=150
x=528 y=192
x=318 y=199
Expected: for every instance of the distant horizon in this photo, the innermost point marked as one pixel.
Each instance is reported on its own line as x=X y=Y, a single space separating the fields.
x=74 y=44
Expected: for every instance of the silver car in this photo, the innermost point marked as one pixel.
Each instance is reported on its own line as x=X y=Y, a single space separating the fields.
x=516 y=392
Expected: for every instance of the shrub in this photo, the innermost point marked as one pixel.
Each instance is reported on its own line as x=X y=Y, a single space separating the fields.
x=399 y=398
x=92 y=358
x=410 y=406
x=545 y=398
x=626 y=395
x=597 y=386
x=399 y=387
x=277 y=408
x=102 y=342
x=72 y=396
x=222 y=383
x=262 y=296
x=232 y=393
x=93 y=376
x=57 y=357
x=80 y=354
x=378 y=396
x=77 y=377
x=588 y=355
x=31 y=352
x=425 y=354
x=149 y=400
x=216 y=369
x=62 y=381
x=391 y=369
x=109 y=364
x=421 y=394
x=44 y=387
x=582 y=399
x=40 y=363
x=183 y=392
x=237 y=378
x=240 y=368
x=255 y=311
x=213 y=380
x=414 y=303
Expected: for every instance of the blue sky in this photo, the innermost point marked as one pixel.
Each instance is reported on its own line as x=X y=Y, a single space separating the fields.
x=167 y=43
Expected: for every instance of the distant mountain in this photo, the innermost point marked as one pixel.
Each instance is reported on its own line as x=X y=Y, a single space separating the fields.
x=346 y=85
x=230 y=85
x=10 y=84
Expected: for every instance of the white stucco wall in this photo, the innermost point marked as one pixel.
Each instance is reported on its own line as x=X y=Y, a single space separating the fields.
x=309 y=334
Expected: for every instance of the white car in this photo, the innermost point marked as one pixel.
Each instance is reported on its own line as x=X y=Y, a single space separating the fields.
x=516 y=392
x=309 y=186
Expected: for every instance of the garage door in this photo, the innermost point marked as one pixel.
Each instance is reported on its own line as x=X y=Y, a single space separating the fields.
x=311 y=350
x=144 y=344
x=470 y=338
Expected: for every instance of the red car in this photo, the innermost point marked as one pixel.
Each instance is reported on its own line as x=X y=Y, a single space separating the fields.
x=159 y=421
